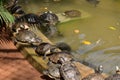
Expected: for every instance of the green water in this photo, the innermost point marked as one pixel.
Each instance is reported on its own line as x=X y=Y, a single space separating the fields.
x=101 y=29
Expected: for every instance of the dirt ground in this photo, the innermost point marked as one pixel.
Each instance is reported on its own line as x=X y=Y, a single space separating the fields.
x=13 y=65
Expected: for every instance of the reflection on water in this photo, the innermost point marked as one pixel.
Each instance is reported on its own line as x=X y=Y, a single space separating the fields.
x=103 y=24
x=86 y=48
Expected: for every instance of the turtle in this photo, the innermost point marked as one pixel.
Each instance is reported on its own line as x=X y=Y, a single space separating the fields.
x=56 y=0
x=14 y=8
x=94 y=2
x=54 y=58
x=51 y=31
x=97 y=75
x=115 y=76
x=53 y=72
x=30 y=18
x=10 y=3
x=20 y=26
x=27 y=36
x=49 y=21
x=68 y=70
x=45 y=48
x=63 y=46
x=72 y=13
x=49 y=18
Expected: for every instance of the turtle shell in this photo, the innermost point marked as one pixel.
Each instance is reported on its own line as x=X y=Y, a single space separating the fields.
x=55 y=57
x=97 y=75
x=53 y=72
x=94 y=2
x=20 y=26
x=114 y=77
x=27 y=36
x=49 y=17
x=94 y=76
x=63 y=46
x=30 y=18
x=44 y=48
x=69 y=71
x=72 y=13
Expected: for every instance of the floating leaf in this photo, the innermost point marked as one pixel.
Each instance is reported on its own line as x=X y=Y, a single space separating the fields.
x=86 y=42
x=112 y=28
x=76 y=31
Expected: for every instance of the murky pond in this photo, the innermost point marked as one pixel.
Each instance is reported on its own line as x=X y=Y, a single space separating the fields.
x=98 y=39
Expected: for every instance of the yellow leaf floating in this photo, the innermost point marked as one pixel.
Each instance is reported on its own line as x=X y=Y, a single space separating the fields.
x=76 y=31
x=86 y=42
x=113 y=28
x=46 y=8
x=119 y=37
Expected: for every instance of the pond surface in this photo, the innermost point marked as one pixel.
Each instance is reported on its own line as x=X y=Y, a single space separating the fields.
x=98 y=39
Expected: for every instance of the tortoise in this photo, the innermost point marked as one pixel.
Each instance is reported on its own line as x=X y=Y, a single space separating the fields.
x=54 y=58
x=53 y=72
x=72 y=13
x=63 y=46
x=97 y=75
x=46 y=48
x=115 y=76
x=68 y=70
x=26 y=36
